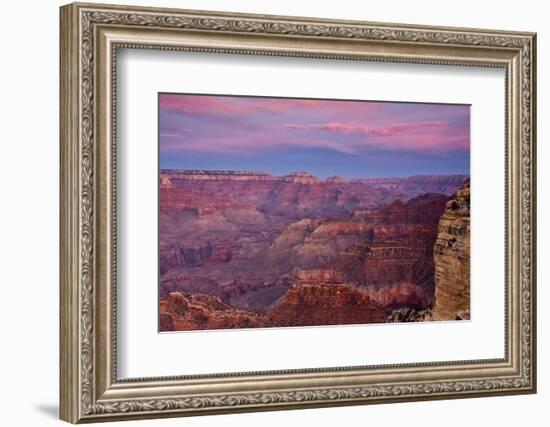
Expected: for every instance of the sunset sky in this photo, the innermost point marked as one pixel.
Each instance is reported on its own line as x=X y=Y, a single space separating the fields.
x=352 y=139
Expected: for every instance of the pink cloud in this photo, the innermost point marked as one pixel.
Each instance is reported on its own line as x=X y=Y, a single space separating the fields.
x=271 y=123
x=279 y=105
x=203 y=104
x=429 y=135
x=389 y=130
x=424 y=142
x=199 y=104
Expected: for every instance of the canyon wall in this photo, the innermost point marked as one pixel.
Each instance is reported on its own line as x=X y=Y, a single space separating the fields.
x=249 y=248
x=452 y=259
x=413 y=185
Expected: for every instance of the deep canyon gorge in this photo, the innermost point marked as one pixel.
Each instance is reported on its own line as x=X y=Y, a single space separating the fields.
x=249 y=249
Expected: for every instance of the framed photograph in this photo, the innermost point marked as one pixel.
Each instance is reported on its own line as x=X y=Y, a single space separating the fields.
x=267 y=212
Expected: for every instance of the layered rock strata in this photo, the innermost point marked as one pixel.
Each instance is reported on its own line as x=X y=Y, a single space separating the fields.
x=452 y=259
x=318 y=303
x=248 y=249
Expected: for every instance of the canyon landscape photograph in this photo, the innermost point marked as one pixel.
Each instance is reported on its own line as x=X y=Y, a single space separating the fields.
x=295 y=212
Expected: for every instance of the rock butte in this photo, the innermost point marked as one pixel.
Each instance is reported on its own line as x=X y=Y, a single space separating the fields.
x=248 y=249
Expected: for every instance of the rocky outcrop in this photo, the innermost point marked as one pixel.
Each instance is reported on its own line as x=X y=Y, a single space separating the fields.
x=325 y=304
x=186 y=312
x=409 y=314
x=452 y=259
x=301 y=305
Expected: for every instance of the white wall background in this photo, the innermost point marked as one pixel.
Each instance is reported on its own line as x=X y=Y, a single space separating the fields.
x=29 y=170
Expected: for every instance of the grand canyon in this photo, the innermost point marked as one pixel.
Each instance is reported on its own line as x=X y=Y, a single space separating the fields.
x=251 y=249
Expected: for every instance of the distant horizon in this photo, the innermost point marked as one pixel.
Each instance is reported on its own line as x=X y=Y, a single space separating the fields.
x=349 y=139
x=262 y=172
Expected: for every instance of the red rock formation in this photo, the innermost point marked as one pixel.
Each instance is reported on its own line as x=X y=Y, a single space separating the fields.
x=452 y=259
x=325 y=304
x=397 y=256
x=295 y=195
x=302 y=305
x=185 y=312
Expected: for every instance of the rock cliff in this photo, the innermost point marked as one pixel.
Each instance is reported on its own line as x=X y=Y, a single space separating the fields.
x=452 y=259
x=297 y=195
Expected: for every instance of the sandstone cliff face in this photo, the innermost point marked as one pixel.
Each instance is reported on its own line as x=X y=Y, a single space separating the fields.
x=452 y=259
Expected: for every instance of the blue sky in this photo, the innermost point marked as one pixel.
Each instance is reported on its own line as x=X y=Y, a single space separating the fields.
x=353 y=139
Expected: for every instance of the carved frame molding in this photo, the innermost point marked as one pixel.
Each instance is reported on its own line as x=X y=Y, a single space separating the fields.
x=90 y=37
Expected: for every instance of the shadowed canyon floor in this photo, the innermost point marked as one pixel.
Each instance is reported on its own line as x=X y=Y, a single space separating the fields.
x=248 y=249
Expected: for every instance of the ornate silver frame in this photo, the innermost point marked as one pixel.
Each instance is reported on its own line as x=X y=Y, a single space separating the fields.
x=90 y=36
